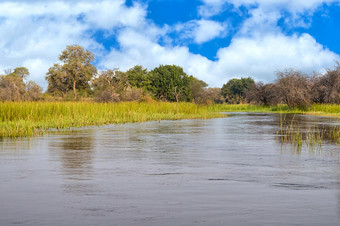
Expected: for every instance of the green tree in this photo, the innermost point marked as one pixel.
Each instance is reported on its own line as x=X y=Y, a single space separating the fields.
x=197 y=90
x=234 y=91
x=75 y=72
x=138 y=77
x=170 y=83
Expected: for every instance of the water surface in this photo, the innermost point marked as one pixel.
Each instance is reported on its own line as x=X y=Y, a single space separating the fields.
x=228 y=171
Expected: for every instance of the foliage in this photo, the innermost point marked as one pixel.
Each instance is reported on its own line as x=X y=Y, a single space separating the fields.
x=170 y=83
x=74 y=74
x=138 y=77
x=234 y=91
x=33 y=91
x=13 y=87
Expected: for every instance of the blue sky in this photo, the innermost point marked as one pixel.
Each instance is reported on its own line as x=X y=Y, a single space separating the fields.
x=214 y=40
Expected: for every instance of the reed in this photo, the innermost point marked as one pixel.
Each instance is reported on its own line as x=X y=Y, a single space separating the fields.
x=315 y=109
x=313 y=137
x=19 y=119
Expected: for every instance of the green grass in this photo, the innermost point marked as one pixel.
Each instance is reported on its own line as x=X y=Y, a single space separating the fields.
x=316 y=109
x=19 y=119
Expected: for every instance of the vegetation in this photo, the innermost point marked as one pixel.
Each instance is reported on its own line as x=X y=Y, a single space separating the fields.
x=313 y=136
x=14 y=88
x=298 y=90
x=235 y=90
x=34 y=118
x=77 y=79
x=74 y=74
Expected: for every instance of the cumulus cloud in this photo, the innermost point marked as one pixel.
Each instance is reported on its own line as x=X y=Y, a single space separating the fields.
x=33 y=34
x=201 y=31
x=260 y=57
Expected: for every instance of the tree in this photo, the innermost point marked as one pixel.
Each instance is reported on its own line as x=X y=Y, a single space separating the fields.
x=138 y=77
x=106 y=86
x=12 y=88
x=170 y=83
x=21 y=72
x=33 y=91
x=74 y=74
x=294 y=88
x=263 y=94
x=326 y=88
x=12 y=85
x=234 y=91
x=58 y=82
x=197 y=89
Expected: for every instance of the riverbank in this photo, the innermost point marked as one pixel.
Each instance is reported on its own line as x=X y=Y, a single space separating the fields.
x=331 y=110
x=20 y=119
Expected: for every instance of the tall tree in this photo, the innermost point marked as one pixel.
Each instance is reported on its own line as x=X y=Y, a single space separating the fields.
x=75 y=73
x=234 y=91
x=170 y=82
x=138 y=77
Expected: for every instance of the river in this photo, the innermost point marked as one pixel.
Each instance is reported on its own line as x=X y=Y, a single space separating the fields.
x=226 y=171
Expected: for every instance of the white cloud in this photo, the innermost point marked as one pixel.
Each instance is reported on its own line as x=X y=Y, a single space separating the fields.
x=260 y=57
x=35 y=32
x=201 y=31
x=291 y=5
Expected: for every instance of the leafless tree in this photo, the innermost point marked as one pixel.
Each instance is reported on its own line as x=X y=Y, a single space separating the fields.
x=294 y=88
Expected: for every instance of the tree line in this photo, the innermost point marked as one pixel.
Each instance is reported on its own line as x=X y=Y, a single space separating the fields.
x=75 y=78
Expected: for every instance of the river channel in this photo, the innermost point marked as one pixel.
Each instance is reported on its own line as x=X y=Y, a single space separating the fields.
x=225 y=171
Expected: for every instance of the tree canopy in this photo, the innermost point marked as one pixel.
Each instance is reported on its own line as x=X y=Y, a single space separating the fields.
x=234 y=91
x=74 y=74
x=170 y=83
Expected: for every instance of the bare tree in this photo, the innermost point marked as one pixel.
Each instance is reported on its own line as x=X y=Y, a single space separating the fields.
x=326 y=88
x=263 y=94
x=294 y=88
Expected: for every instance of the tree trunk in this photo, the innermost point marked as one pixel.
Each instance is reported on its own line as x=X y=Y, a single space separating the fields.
x=74 y=90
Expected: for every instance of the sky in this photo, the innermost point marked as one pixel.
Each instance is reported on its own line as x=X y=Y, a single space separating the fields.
x=213 y=40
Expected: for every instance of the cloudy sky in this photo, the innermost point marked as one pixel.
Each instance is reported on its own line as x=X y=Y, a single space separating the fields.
x=214 y=40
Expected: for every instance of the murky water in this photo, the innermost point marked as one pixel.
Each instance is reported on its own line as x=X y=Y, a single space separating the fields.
x=228 y=171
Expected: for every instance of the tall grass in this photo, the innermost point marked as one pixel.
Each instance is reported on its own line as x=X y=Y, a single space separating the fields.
x=313 y=136
x=315 y=109
x=33 y=118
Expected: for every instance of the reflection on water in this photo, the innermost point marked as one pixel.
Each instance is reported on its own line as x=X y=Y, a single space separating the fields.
x=76 y=153
x=229 y=171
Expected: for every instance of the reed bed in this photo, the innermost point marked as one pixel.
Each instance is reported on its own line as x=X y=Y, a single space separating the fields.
x=332 y=110
x=313 y=137
x=19 y=119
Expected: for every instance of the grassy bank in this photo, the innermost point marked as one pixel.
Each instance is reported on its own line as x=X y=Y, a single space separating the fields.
x=33 y=118
x=19 y=119
x=332 y=110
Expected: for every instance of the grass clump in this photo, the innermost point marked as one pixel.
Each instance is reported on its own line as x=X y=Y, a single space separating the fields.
x=18 y=119
x=312 y=136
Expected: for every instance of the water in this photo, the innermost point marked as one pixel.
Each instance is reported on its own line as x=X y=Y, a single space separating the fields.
x=228 y=171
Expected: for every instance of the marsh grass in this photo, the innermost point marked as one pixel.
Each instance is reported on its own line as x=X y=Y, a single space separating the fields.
x=313 y=137
x=19 y=119
x=315 y=109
